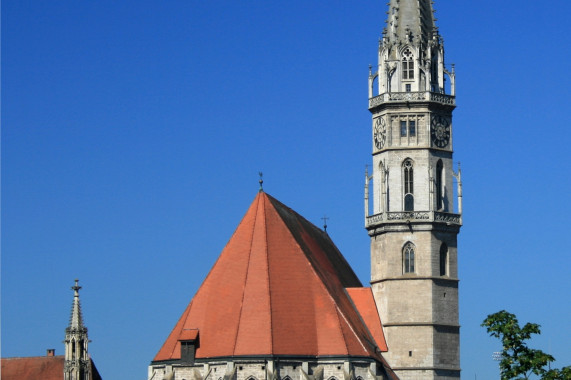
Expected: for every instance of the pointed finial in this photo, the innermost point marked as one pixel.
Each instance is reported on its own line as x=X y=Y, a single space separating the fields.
x=76 y=288
x=261 y=181
x=325 y=218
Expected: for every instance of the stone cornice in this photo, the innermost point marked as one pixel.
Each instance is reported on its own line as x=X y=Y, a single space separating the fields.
x=412 y=324
x=413 y=277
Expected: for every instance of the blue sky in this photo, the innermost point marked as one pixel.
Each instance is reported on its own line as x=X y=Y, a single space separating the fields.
x=134 y=131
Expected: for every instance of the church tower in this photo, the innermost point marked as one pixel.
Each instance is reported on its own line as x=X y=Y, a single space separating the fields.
x=414 y=221
x=77 y=362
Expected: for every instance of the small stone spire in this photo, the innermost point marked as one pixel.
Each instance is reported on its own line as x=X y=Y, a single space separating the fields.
x=76 y=319
x=77 y=363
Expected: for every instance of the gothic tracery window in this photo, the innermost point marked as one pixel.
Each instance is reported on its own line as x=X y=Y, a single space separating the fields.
x=407 y=64
x=408 y=174
x=408 y=258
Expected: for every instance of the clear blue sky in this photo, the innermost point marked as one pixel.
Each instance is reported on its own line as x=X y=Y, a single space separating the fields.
x=133 y=133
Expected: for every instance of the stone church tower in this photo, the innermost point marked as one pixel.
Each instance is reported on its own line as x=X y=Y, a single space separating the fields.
x=77 y=364
x=414 y=223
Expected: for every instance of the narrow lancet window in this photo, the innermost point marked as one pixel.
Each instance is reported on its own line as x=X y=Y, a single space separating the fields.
x=408 y=127
x=443 y=259
x=408 y=173
x=438 y=185
x=412 y=128
x=408 y=258
x=403 y=128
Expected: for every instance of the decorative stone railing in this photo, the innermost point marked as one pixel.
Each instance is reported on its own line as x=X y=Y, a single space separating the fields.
x=413 y=216
x=411 y=97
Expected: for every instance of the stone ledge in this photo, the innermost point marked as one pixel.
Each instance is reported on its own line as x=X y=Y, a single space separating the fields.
x=412 y=277
x=426 y=368
x=412 y=324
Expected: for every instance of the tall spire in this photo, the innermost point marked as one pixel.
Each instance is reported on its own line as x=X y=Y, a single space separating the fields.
x=76 y=319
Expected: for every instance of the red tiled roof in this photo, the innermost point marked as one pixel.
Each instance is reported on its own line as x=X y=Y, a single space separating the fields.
x=365 y=303
x=278 y=288
x=188 y=334
x=33 y=368
x=38 y=367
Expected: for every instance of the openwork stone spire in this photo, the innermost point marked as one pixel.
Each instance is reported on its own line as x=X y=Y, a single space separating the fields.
x=76 y=319
x=411 y=54
x=410 y=20
x=77 y=363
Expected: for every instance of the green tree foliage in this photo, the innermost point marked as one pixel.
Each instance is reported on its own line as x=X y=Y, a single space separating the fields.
x=558 y=374
x=518 y=360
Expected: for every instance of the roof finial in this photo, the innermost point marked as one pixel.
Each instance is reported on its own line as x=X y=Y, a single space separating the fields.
x=261 y=181
x=325 y=218
x=76 y=288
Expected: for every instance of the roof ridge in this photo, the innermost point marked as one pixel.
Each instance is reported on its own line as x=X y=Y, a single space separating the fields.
x=223 y=249
x=322 y=234
x=337 y=311
x=257 y=200
x=362 y=317
x=350 y=325
x=269 y=280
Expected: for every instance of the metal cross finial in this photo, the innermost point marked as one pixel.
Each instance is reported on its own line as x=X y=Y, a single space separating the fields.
x=76 y=287
x=261 y=181
x=325 y=219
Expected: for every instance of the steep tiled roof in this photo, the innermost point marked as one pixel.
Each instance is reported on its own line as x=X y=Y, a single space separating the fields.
x=38 y=367
x=33 y=368
x=278 y=288
x=365 y=303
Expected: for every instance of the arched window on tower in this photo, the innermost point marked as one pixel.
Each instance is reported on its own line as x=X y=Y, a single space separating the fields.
x=80 y=345
x=407 y=65
x=408 y=258
x=438 y=184
x=408 y=175
x=444 y=260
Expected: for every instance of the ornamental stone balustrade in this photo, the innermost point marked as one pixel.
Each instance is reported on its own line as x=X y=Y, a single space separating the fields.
x=412 y=216
x=420 y=96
